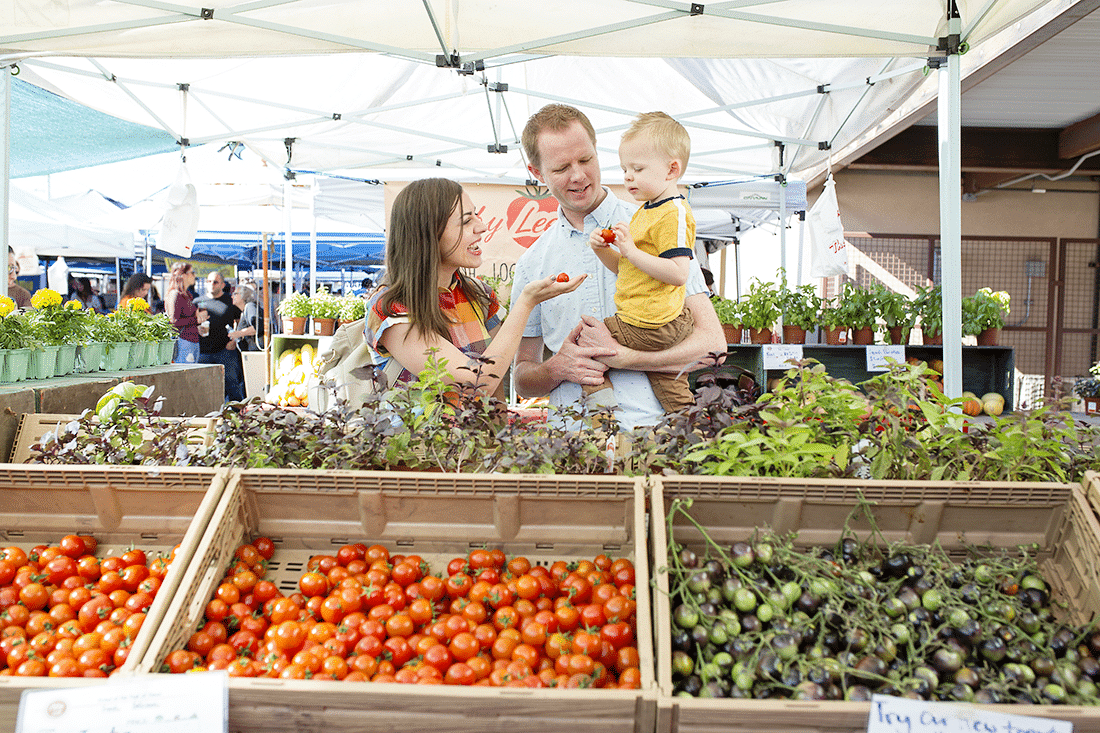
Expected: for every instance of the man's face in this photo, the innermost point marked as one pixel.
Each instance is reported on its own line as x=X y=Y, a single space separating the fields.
x=216 y=284
x=570 y=170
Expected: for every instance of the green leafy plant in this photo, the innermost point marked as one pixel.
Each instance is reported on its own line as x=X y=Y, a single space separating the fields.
x=929 y=309
x=104 y=328
x=760 y=307
x=831 y=316
x=1089 y=386
x=983 y=310
x=295 y=305
x=352 y=308
x=16 y=330
x=67 y=324
x=502 y=287
x=324 y=304
x=800 y=306
x=159 y=328
x=728 y=311
x=856 y=306
x=893 y=307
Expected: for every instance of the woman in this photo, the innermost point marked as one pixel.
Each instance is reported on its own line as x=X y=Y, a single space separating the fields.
x=428 y=304
x=244 y=297
x=137 y=286
x=87 y=296
x=181 y=311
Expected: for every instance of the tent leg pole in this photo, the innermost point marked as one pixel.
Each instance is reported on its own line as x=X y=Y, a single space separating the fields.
x=950 y=153
x=288 y=246
x=313 y=236
x=5 y=169
x=267 y=321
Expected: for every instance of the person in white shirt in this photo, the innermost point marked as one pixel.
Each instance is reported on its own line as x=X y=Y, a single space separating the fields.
x=560 y=144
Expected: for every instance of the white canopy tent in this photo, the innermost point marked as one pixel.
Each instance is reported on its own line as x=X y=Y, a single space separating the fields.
x=766 y=87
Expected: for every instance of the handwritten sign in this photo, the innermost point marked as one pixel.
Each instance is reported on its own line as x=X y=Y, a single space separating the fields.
x=777 y=356
x=158 y=703
x=899 y=715
x=877 y=357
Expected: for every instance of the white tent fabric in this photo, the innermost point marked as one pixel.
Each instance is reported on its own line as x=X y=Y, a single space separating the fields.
x=46 y=230
x=355 y=111
x=476 y=30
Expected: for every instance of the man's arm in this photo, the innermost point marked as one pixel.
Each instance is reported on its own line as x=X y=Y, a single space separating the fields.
x=691 y=353
x=535 y=377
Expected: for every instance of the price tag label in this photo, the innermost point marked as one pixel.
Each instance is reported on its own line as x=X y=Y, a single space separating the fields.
x=155 y=703
x=899 y=715
x=777 y=356
x=877 y=357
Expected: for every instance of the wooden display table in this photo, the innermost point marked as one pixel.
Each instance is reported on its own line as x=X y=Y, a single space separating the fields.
x=187 y=389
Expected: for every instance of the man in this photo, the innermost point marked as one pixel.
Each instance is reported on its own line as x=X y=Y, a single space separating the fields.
x=215 y=347
x=560 y=145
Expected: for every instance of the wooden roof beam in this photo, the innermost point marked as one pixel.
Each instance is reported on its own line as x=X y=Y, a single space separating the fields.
x=1080 y=138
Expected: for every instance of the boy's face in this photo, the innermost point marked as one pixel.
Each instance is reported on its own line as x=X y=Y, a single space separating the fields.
x=647 y=172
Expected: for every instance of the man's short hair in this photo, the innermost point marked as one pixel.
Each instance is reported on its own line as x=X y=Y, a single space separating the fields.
x=555 y=117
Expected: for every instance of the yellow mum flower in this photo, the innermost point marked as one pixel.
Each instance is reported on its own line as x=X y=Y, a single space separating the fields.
x=137 y=304
x=7 y=305
x=73 y=305
x=46 y=298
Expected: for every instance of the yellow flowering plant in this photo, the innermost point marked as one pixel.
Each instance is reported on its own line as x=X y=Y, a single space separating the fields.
x=16 y=332
x=135 y=323
x=60 y=323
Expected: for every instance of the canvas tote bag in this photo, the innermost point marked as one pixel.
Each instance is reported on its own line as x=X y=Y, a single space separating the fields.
x=828 y=250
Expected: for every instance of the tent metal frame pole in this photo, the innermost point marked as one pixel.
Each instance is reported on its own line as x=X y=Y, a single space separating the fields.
x=783 y=230
x=5 y=170
x=313 y=236
x=950 y=156
x=288 y=241
x=268 y=351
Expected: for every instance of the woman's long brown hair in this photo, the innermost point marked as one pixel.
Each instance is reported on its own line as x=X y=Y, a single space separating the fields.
x=418 y=220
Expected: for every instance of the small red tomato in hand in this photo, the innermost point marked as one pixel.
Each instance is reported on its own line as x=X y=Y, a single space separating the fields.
x=562 y=278
x=608 y=235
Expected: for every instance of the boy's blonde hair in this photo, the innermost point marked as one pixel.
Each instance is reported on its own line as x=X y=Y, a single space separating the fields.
x=665 y=133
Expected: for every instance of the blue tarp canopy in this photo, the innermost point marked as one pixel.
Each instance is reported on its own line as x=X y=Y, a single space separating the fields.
x=50 y=134
x=335 y=250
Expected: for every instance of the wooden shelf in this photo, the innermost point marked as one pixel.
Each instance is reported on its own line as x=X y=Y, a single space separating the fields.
x=985 y=368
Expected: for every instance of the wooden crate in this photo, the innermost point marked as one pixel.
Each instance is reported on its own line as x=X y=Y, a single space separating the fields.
x=34 y=425
x=437 y=516
x=150 y=508
x=1055 y=517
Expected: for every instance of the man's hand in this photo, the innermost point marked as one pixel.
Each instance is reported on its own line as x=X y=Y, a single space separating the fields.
x=580 y=363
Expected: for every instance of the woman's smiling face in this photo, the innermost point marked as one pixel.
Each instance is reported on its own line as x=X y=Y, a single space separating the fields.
x=460 y=246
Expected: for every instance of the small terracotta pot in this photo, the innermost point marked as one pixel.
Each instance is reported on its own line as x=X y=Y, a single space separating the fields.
x=863 y=336
x=989 y=337
x=834 y=336
x=760 y=335
x=898 y=335
x=794 y=335
x=933 y=339
x=324 y=326
x=294 y=326
x=733 y=332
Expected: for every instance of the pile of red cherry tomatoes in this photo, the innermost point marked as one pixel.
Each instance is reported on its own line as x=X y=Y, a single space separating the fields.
x=366 y=615
x=66 y=613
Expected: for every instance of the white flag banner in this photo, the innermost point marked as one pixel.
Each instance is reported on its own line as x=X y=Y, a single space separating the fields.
x=828 y=250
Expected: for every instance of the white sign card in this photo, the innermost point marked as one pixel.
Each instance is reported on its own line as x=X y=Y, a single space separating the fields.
x=877 y=357
x=777 y=356
x=901 y=715
x=157 y=703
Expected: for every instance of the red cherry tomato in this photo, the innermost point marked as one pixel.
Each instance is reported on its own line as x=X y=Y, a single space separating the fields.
x=608 y=235
x=563 y=278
